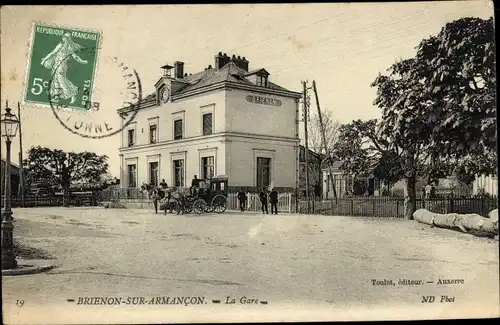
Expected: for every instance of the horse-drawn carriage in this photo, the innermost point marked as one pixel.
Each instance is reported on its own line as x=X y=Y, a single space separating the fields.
x=210 y=196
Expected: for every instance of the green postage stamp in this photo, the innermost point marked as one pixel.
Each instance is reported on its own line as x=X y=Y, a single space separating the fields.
x=62 y=66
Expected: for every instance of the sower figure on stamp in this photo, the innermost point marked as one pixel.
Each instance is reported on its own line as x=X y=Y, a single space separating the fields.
x=273 y=197
x=57 y=61
x=263 y=200
x=242 y=197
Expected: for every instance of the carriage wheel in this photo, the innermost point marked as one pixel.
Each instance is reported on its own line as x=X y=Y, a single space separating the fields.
x=210 y=208
x=188 y=205
x=219 y=203
x=173 y=205
x=199 y=206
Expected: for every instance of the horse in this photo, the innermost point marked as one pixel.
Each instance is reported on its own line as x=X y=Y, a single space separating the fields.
x=148 y=190
x=177 y=198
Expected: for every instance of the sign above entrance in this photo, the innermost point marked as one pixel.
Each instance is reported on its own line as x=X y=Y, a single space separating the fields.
x=263 y=100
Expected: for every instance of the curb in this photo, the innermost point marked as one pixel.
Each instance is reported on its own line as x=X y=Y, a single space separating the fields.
x=27 y=268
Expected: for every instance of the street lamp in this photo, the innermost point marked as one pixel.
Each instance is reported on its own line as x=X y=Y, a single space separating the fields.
x=9 y=123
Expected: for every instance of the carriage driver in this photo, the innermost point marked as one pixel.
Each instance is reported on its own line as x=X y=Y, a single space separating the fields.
x=195 y=185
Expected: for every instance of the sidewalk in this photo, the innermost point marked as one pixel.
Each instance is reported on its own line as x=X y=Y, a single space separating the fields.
x=25 y=267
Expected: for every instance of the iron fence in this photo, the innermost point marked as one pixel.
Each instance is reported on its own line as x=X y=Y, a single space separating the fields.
x=52 y=201
x=393 y=207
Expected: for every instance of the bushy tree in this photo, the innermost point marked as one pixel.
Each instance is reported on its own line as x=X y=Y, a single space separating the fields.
x=57 y=167
x=438 y=108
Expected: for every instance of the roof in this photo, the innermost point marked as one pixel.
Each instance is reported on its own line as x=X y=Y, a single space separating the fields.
x=11 y=163
x=311 y=152
x=335 y=165
x=257 y=71
x=228 y=73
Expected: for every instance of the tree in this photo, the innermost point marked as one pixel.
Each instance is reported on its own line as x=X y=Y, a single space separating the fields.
x=459 y=76
x=354 y=149
x=331 y=126
x=440 y=105
x=362 y=151
x=64 y=169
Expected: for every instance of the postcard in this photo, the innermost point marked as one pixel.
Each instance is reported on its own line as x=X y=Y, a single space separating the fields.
x=249 y=163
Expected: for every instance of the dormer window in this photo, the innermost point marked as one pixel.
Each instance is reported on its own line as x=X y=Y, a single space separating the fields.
x=259 y=77
x=262 y=81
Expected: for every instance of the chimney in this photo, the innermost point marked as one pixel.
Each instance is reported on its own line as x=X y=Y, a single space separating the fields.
x=240 y=62
x=221 y=60
x=179 y=69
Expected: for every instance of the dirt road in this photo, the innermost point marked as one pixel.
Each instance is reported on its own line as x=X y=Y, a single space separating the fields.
x=303 y=267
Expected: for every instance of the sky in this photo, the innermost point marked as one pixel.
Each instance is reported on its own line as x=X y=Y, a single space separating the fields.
x=342 y=47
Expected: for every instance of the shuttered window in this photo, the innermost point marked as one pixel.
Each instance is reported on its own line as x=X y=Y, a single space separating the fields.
x=207 y=123
x=177 y=129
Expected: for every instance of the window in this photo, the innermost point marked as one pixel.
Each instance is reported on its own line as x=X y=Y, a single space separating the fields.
x=261 y=81
x=131 y=137
x=152 y=133
x=132 y=176
x=177 y=129
x=207 y=123
x=179 y=173
x=263 y=172
x=153 y=174
x=207 y=164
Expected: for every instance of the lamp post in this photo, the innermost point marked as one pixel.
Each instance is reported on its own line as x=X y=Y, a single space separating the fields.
x=9 y=125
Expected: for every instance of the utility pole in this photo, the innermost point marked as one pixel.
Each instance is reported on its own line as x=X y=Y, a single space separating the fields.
x=306 y=139
x=323 y=136
x=297 y=154
x=21 y=169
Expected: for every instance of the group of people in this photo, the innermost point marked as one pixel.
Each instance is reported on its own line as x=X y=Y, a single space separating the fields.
x=264 y=197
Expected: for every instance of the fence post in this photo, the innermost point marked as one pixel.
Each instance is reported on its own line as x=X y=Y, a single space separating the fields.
x=397 y=208
x=482 y=207
x=373 y=207
x=452 y=206
x=351 y=207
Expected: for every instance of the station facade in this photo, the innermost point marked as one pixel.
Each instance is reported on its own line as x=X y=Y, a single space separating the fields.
x=225 y=120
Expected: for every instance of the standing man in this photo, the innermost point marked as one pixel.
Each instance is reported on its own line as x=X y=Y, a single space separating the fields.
x=428 y=190
x=273 y=197
x=163 y=184
x=263 y=200
x=317 y=191
x=242 y=197
x=156 y=198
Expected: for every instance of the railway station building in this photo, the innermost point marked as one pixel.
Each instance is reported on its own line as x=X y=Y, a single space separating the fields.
x=226 y=120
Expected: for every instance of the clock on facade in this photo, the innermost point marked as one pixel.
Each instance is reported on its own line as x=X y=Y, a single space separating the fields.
x=165 y=94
